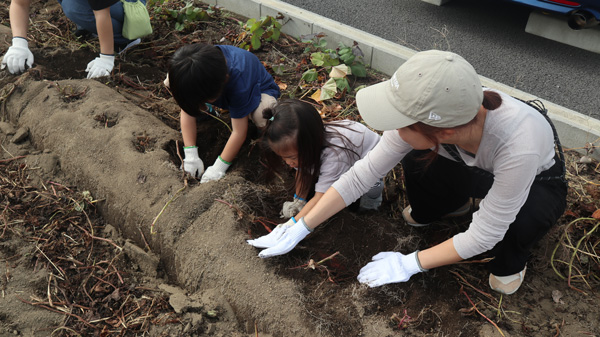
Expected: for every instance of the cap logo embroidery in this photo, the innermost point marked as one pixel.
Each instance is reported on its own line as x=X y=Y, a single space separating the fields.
x=394 y=82
x=433 y=116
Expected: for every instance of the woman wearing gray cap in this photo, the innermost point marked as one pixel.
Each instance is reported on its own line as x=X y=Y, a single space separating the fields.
x=456 y=141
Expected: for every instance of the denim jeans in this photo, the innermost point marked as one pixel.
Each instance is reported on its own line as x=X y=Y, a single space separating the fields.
x=80 y=12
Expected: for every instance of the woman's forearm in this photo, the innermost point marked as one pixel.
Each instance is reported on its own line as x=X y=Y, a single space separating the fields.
x=439 y=255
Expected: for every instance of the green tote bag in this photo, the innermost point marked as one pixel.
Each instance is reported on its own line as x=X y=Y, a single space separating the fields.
x=137 y=21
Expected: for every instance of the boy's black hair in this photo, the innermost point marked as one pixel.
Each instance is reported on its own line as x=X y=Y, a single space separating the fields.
x=197 y=74
x=297 y=124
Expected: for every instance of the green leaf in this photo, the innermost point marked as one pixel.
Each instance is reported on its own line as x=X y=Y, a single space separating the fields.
x=276 y=33
x=255 y=27
x=317 y=59
x=345 y=51
x=342 y=83
x=359 y=70
x=310 y=75
x=347 y=58
x=322 y=43
x=267 y=21
x=255 y=41
x=328 y=90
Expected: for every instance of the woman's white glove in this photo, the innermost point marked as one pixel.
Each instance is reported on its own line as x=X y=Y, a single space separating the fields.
x=288 y=240
x=291 y=208
x=271 y=239
x=215 y=172
x=17 y=56
x=389 y=267
x=192 y=163
x=100 y=66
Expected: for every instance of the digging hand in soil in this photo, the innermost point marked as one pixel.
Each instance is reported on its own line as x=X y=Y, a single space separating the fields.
x=100 y=66
x=215 y=172
x=272 y=239
x=18 y=56
x=389 y=267
x=192 y=163
x=291 y=208
x=288 y=241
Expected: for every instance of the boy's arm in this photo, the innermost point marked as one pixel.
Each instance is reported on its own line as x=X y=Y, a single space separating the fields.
x=236 y=139
x=191 y=160
x=18 y=56
x=105 y=31
x=19 y=17
x=103 y=64
x=233 y=146
x=188 y=129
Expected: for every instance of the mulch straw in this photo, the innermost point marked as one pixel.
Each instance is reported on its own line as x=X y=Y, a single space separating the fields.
x=85 y=282
x=576 y=256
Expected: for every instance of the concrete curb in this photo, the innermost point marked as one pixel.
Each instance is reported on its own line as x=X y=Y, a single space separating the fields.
x=575 y=129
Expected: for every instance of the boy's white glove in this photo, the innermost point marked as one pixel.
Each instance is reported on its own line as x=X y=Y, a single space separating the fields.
x=288 y=240
x=291 y=208
x=389 y=267
x=215 y=172
x=192 y=163
x=17 y=56
x=271 y=239
x=100 y=66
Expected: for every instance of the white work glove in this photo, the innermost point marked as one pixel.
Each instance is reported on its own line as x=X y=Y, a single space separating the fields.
x=271 y=239
x=100 y=66
x=17 y=56
x=215 y=172
x=291 y=208
x=288 y=240
x=192 y=163
x=389 y=267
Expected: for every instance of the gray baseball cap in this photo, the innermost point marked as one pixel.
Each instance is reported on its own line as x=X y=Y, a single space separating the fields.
x=437 y=88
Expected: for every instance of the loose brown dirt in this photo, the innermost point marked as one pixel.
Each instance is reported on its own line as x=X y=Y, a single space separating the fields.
x=151 y=252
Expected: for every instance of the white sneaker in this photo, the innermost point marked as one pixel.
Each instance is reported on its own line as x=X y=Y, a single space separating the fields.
x=507 y=284
x=129 y=45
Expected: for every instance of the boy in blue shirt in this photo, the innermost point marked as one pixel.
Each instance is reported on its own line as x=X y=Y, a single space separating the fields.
x=228 y=77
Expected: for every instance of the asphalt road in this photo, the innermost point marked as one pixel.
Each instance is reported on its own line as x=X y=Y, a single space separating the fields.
x=490 y=34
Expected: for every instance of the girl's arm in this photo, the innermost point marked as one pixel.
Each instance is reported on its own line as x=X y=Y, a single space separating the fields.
x=188 y=128
x=309 y=205
x=236 y=139
x=105 y=31
x=329 y=204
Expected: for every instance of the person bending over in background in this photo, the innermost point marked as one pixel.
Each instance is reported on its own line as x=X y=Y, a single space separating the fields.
x=101 y=17
x=320 y=153
x=456 y=141
x=228 y=77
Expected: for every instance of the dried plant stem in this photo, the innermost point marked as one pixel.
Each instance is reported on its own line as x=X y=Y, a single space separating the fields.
x=479 y=312
x=152 y=231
